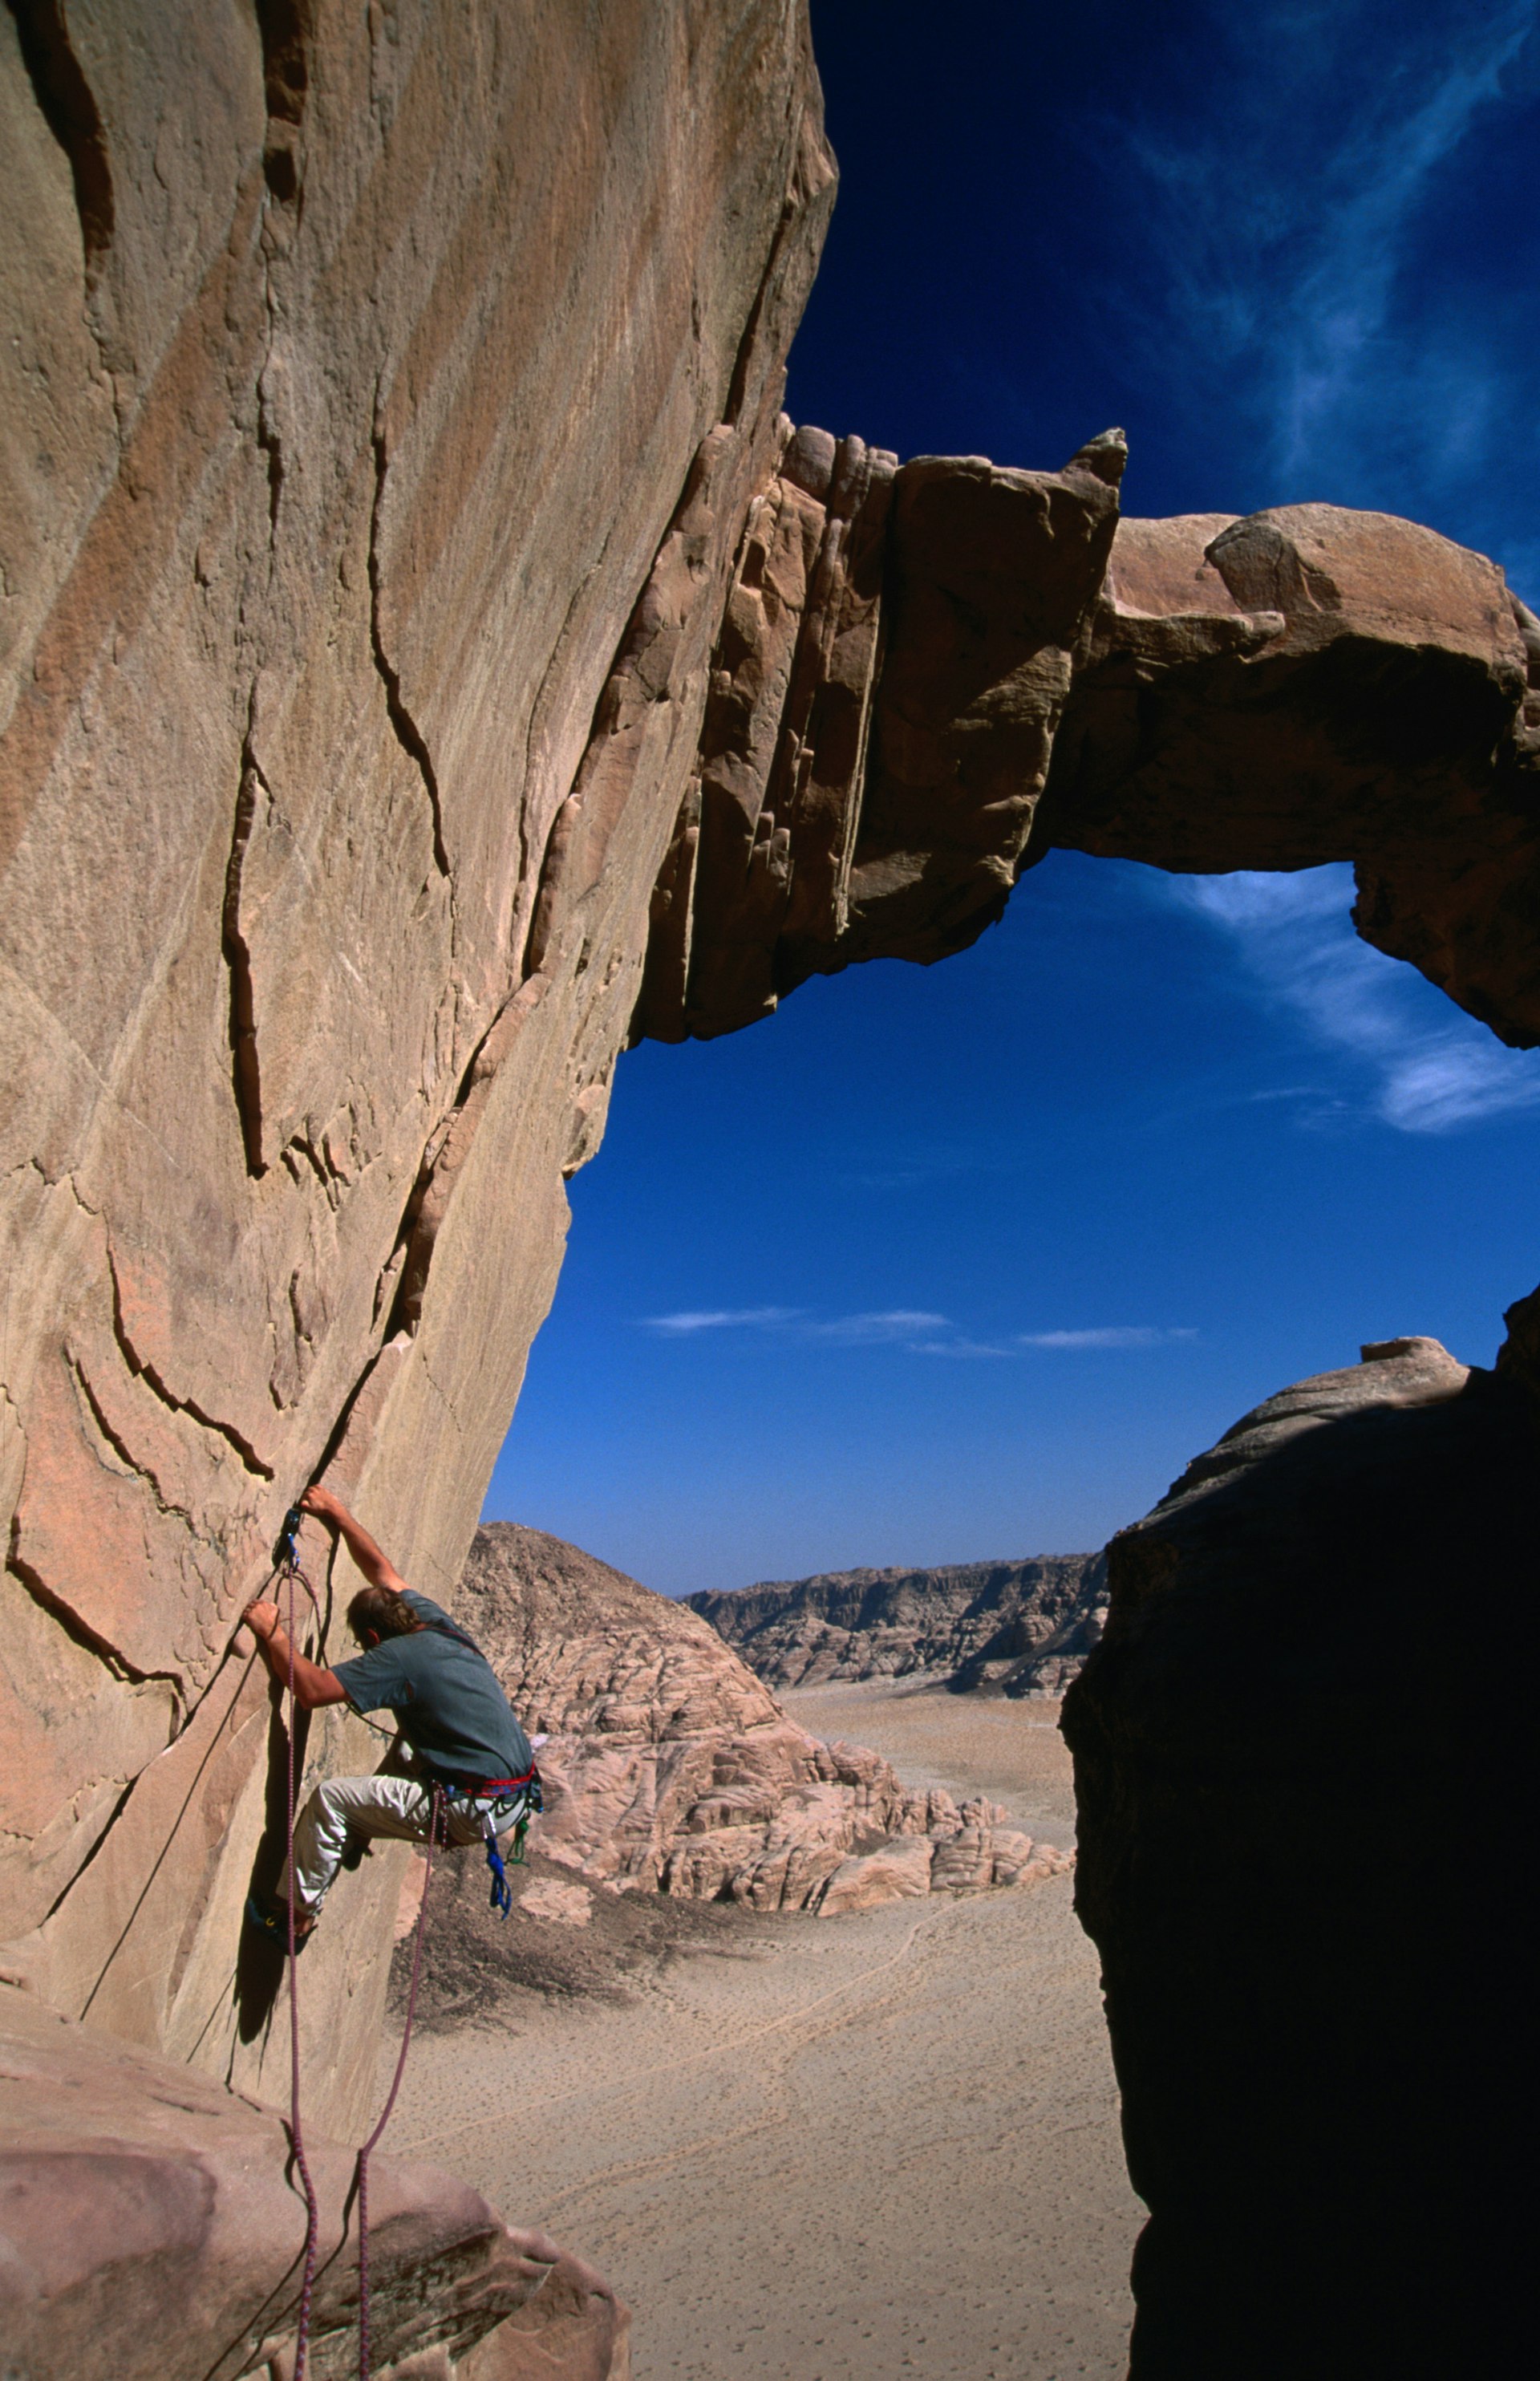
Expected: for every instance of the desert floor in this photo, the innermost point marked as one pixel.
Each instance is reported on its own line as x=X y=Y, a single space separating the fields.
x=861 y=2147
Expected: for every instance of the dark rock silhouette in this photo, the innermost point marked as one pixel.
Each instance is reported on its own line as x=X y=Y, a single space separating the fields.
x=1304 y=1800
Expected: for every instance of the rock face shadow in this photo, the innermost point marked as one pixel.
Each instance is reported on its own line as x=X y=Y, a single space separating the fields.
x=1300 y=1764
x=259 y=1965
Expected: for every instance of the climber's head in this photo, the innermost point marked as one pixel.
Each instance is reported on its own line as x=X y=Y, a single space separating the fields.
x=376 y=1613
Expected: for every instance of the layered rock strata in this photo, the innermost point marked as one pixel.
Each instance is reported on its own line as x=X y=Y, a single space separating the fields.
x=670 y=1767
x=1003 y=1628
x=1302 y=1794
x=151 y=2226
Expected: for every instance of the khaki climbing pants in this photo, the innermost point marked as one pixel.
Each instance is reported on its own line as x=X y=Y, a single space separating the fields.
x=377 y=1806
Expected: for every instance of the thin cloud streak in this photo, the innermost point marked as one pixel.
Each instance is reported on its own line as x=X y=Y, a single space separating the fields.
x=1116 y=1334
x=1294 y=937
x=897 y=1327
x=719 y=1318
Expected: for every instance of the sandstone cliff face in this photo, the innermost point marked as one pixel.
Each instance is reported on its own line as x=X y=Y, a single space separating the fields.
x=1011 y=1628
x=671 y=1767
x=366 y=372
x=153 y=2223
x=1303 y=1798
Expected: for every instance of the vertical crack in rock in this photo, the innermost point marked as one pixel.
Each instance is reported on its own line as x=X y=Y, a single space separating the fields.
x=72 y=116
x=271 y=444
x=286 y=31
x=245 y=1065
x=545 y=696
x=810 y=178
x=407 y=734
x=287 y=28
x=144 y=1371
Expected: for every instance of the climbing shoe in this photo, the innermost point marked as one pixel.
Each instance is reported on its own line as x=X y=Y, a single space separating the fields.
x=270 y=1920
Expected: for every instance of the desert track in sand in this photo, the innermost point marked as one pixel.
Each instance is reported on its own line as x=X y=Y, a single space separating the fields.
x=832 y=2150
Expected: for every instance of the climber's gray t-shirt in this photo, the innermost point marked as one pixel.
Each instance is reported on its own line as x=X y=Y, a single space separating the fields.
x=444 y=1695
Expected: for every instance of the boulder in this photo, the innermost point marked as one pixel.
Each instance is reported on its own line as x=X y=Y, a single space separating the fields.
x=151 y=2223
x=896 y=1871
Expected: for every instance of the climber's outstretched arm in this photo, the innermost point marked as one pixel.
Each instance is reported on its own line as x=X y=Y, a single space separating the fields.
x=377 y=1569
x=312 y=1685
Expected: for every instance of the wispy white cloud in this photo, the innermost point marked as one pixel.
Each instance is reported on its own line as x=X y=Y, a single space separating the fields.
x=1114 y=1334
x=897 y=1322
x=1280 y=234
x=960 y=1346
x=1416 y=1064
x=915 y=1331
x=719 y=1318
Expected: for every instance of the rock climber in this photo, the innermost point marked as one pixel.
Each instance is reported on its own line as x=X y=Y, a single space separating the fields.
x=456 y=1730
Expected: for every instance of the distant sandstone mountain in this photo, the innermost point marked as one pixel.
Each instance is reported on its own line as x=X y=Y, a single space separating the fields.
x=671 y=1767
x=1003 y=1628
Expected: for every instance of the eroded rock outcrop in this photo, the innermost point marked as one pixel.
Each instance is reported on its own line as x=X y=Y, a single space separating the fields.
x=1301 y=1771
x=1304 y=685
x=1005 y=1628
x=671 y=1767
x=151 y=2225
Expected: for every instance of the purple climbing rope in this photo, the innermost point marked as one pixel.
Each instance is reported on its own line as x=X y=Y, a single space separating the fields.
x=434 y=1814
x=291 y=1573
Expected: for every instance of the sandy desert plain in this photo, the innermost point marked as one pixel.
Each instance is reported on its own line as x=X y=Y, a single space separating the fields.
x=824 y=2150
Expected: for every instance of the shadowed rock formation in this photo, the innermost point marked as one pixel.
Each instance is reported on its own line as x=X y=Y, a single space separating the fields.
x=1005 y=1628
x=671 y=1767
x=1303 y=1800
x=153 y=2225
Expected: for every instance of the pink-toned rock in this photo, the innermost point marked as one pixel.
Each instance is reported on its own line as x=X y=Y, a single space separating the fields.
x=895 y=1871
x=150 y=2222
x=668 y=1765
x=383 y=397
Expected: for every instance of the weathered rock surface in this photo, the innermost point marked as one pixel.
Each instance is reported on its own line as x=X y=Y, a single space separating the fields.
x=150 y=2227
x=1302 y=1806
x=670 y=1767
x=1205 y=693
x=384 y=393
x=1011 y=1628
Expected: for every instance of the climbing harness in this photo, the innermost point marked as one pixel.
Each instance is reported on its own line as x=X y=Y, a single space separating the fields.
x=501 y=1791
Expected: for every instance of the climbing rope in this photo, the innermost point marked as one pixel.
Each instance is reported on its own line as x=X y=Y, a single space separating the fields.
x=287 y=1569
x=434 y=1822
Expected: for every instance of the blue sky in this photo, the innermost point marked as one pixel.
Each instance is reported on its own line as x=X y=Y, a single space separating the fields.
x=962 y=1261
